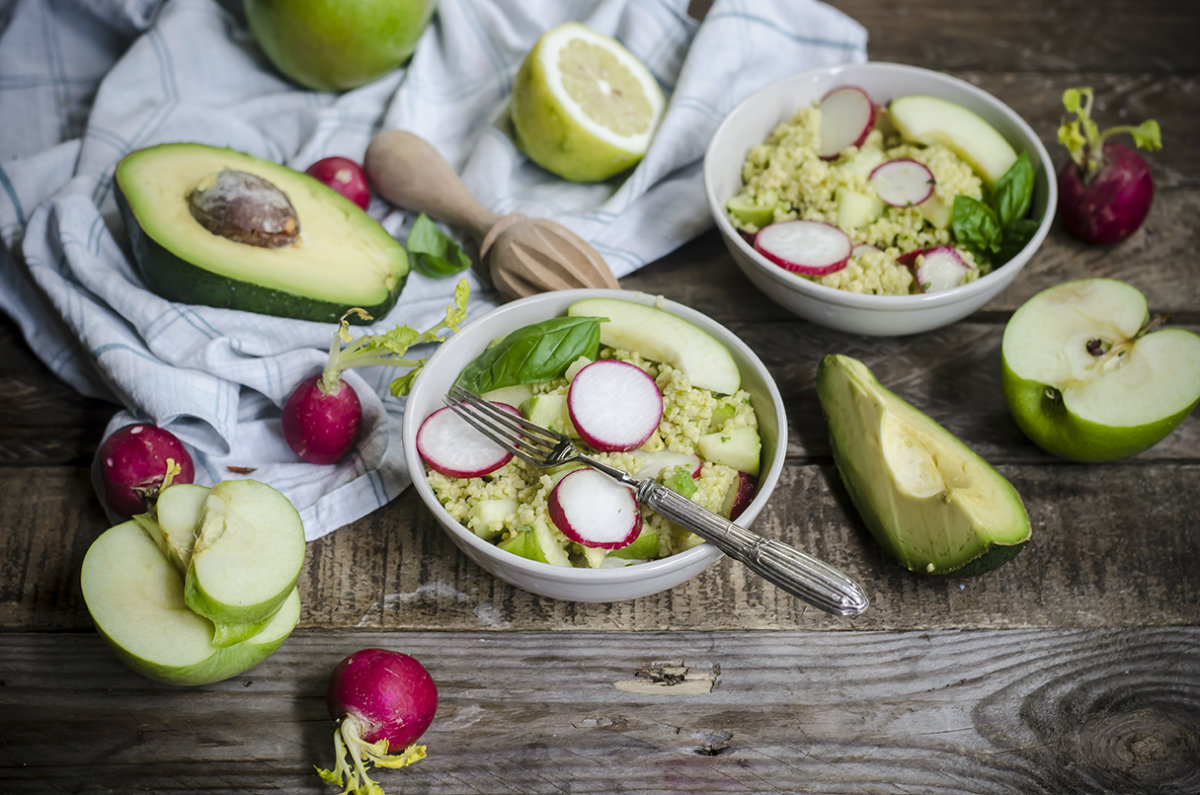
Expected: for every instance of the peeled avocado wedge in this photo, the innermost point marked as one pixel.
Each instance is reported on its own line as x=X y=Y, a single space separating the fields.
x=928 y=499
x=1088 y=378
x=930 y=120
x=662 y=337
x=196 y=224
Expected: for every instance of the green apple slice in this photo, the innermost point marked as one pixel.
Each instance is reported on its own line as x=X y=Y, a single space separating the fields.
x=135 y=597
x=177 y=517
x=177 y=514
x=1086 y=378
x=740 y=448
x=927 y=498
x=662 y=337
x=536 y=542
x=248 y=553
x=930 y=120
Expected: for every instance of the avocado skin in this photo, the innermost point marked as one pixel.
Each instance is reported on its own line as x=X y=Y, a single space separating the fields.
x=989 y=558
x=178 y=280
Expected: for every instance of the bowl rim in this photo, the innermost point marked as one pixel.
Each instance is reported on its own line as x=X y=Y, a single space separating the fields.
x=886 y=303
x=701 y=554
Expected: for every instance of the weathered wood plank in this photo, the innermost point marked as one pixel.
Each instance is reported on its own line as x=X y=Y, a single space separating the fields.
x=1063 y=36
x=1112 y=546
x=1037 y=711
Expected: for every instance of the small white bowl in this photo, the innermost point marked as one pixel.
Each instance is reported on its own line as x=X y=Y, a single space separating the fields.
x=579 y=584
x=879 y=315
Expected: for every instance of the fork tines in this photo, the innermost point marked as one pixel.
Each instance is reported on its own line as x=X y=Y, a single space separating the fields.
x=523 y=438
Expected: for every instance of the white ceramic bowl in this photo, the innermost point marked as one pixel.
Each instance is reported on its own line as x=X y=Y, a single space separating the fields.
x=577 y=584
x=880 y=315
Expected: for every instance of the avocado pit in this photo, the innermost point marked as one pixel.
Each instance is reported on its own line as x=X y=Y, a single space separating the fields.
x=244 y=208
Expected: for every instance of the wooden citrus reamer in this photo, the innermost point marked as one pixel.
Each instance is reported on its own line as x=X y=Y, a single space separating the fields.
x=522 y=255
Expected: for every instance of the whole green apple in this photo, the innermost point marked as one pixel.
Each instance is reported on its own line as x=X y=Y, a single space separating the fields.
x=1088 y=377
x=334 y=45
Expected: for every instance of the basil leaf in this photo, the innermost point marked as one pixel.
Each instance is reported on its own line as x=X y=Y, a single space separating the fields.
x=974 y=225
x=533 y=354
x=434 y=253
x=1014 y=192
x=1015 y=236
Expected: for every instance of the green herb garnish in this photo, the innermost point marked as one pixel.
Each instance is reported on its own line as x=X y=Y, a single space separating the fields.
x=433 y=252
x=999 y=228
x=534 y=354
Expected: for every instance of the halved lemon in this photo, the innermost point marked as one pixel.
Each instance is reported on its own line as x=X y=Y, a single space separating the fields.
x=583 y=106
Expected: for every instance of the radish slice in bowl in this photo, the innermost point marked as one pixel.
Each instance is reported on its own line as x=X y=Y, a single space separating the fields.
x=902 y=182
x=614 y=406
x=810 y=248
x=452 y=447
x=847 y=117
x=942 y=268
x=594 y=510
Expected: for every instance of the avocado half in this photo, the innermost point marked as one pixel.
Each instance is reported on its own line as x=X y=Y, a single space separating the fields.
x=340 y=257
x=928 y=499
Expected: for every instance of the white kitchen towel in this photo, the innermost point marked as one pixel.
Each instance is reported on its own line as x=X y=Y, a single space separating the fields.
x=85 y=82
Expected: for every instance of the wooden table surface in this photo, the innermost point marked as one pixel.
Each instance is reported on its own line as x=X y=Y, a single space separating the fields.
x=1073 y=669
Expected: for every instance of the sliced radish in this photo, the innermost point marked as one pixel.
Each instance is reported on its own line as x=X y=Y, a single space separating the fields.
x=448 y=444
x=614 y=405
x=910 y=257
x=847 y=116
x=811 y=248
x=652 y=463
x=864 y=248
x=594 y=510
x=902 y=182
x=740 y=495
x=942 y=268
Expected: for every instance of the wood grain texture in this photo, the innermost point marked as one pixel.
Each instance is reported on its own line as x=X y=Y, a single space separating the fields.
x=1111 y=547
x=1030 y=711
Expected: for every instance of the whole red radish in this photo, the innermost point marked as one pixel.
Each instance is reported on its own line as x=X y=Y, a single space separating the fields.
x=1105 y=190
x=322 y=416
x=345 y=176
x=321 y=420
x=383 y=701
x=136 y=463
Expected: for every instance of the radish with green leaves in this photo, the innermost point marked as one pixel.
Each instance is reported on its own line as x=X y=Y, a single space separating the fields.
x=383 y=701
x=1105 y=189
x=136 y=463
x=322 y=416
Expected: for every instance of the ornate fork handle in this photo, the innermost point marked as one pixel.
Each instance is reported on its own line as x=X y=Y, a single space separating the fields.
x=799 y=574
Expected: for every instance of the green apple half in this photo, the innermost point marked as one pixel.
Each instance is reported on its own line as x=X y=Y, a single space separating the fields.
x=662 y=337
x=333 y=45
x=176 y=521
x=929 y=500
x=1086 y=376
x=135 y=597
x=248 y=552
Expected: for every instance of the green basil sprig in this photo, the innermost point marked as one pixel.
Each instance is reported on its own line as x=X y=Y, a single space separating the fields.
x=434 y=253
x=999 y=228
x=533 y=354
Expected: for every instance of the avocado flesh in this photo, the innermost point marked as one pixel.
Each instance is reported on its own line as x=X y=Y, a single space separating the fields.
x=341 y=258
x=928 y=499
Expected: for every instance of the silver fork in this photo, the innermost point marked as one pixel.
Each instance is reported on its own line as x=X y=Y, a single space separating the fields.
x=799 y=574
